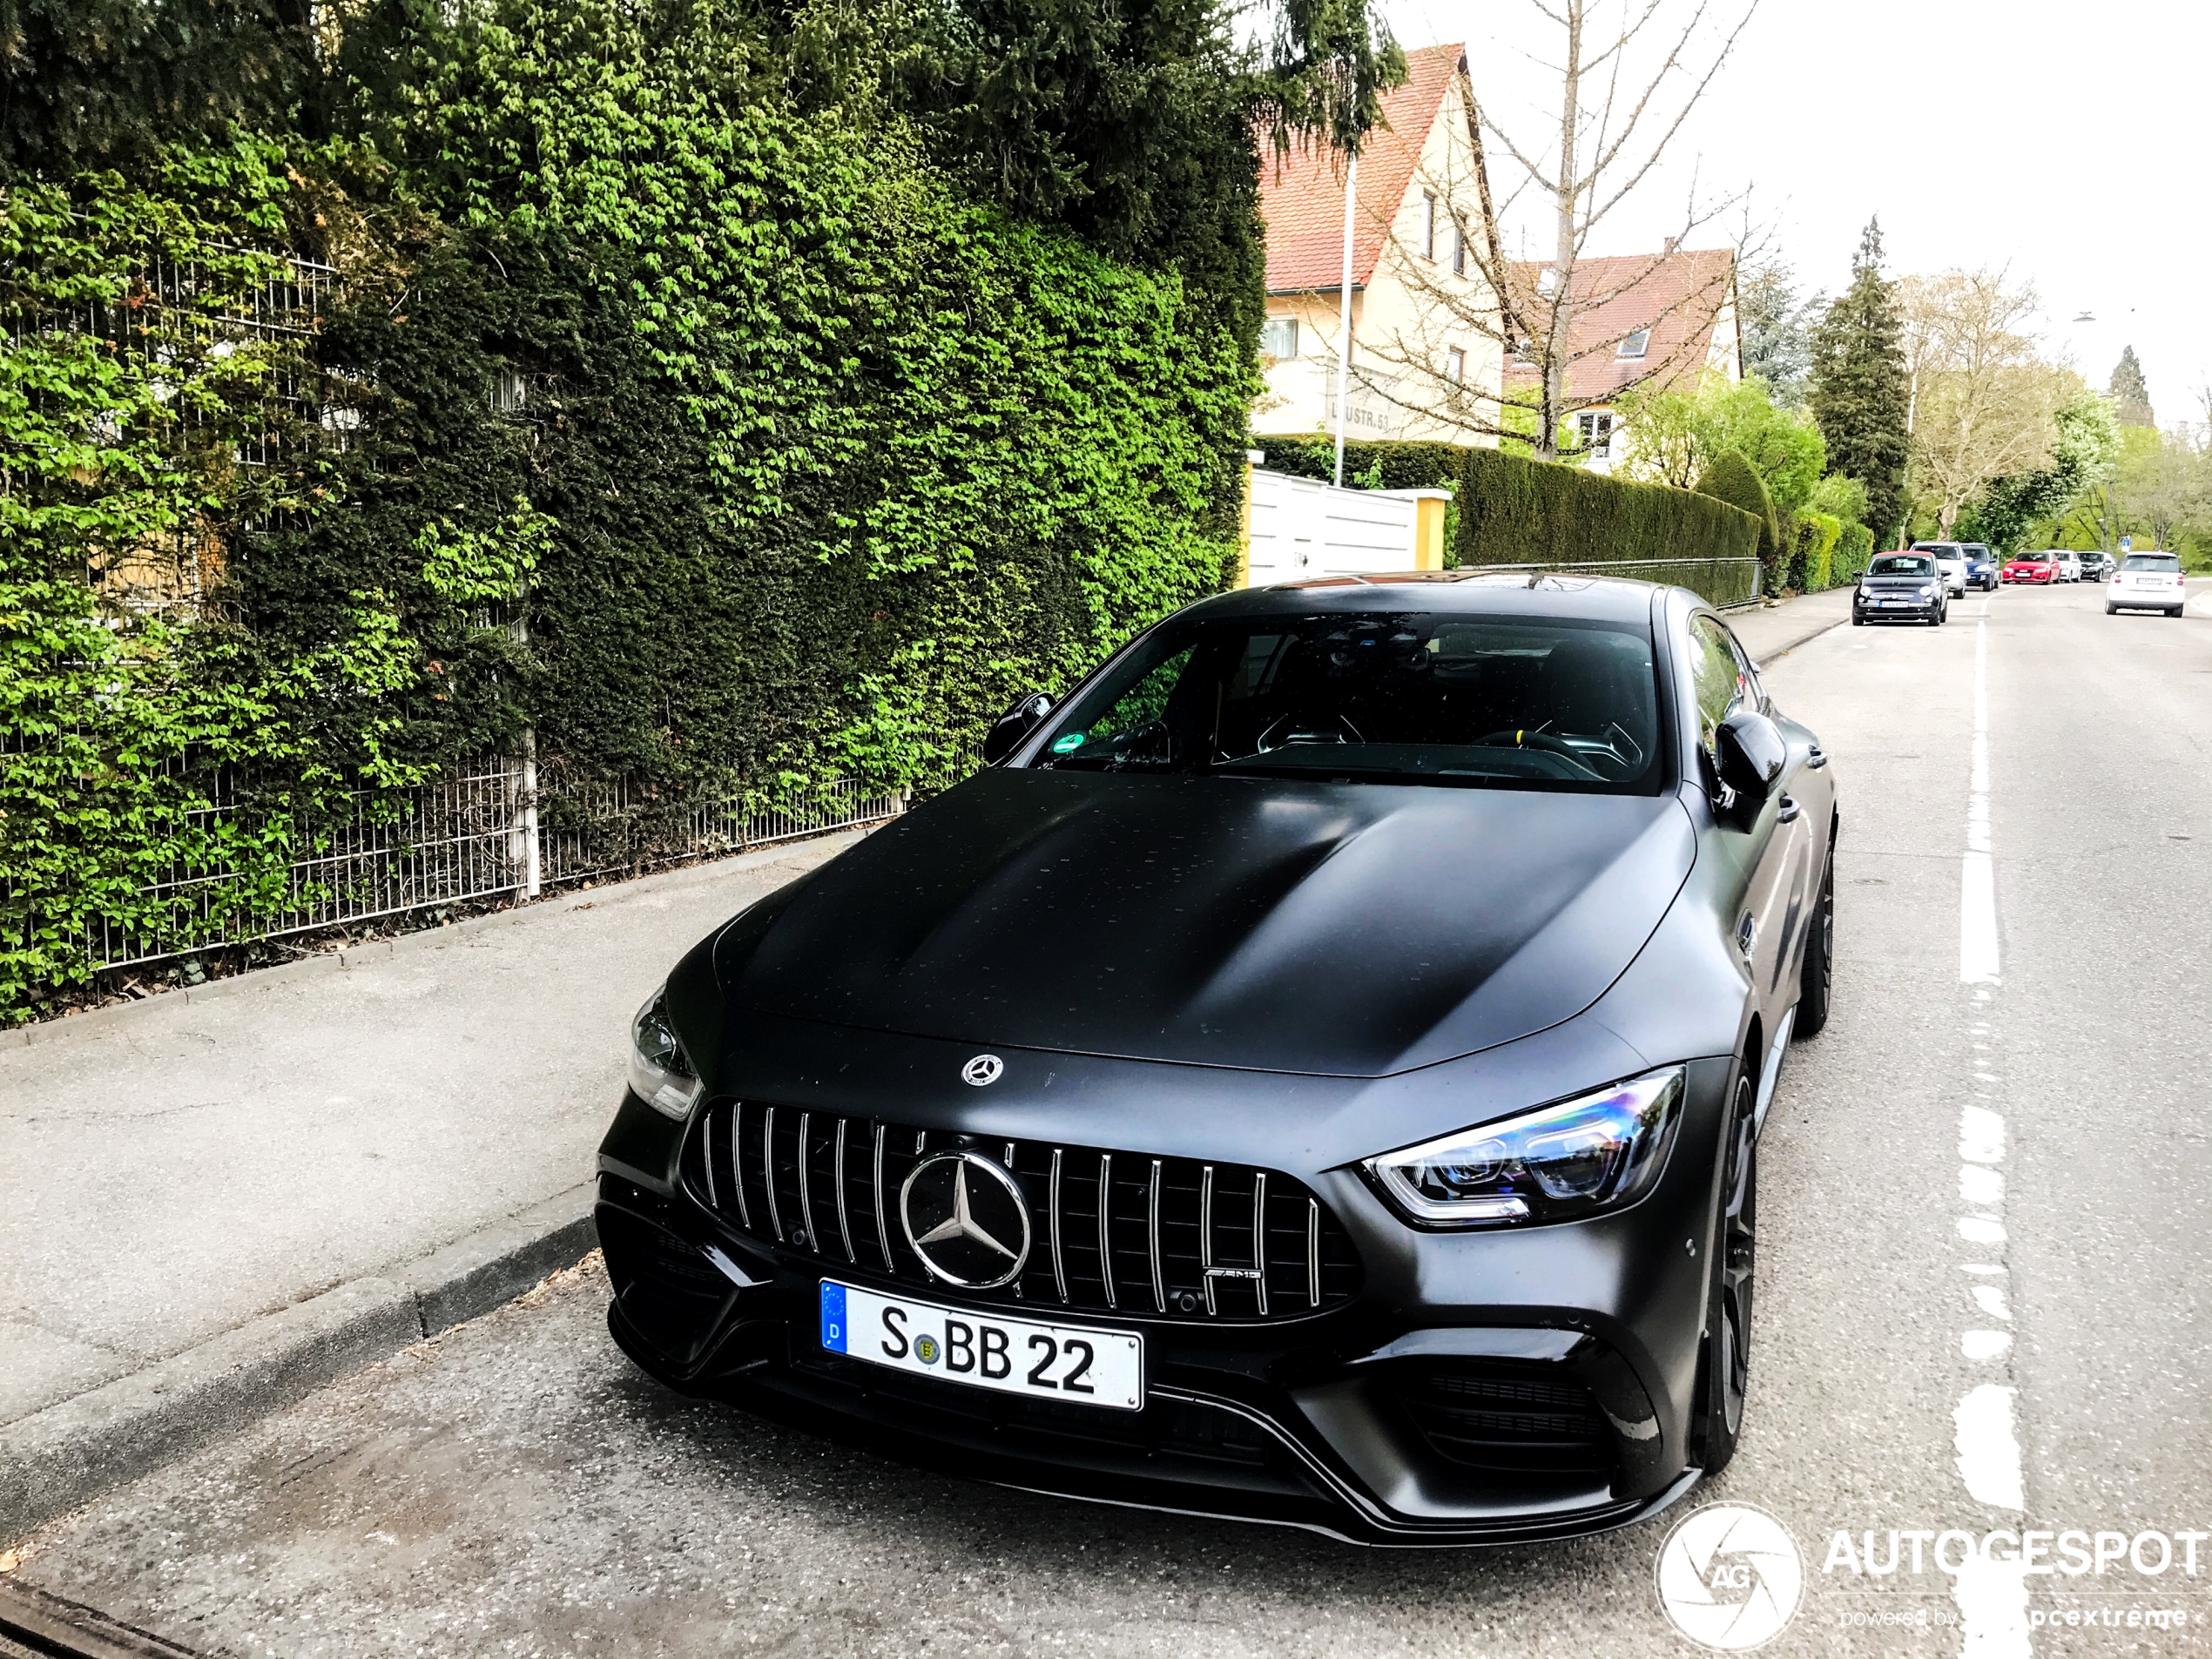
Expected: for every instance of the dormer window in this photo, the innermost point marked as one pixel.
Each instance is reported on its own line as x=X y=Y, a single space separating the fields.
x=1635 y=344
x=1547 y=280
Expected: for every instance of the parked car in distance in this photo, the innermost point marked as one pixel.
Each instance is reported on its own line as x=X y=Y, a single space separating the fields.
x=2148 y=582
x=2097 y=566
x=2031 y=567
x=1951 y=559
x=1901 y=587
x=1981 y=566
x=2069 y=565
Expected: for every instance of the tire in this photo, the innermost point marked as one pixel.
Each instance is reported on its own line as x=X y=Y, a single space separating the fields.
x=1857 y=621
x=1724 y=1372
x=1816 y=978
x=2111 y=610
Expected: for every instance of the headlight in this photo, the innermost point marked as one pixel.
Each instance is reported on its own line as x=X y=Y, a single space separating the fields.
x=1928 y=592
x=1555 y=1164
x=661 y=1074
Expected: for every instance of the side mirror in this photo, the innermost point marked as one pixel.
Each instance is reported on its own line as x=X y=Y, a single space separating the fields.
x=1008 y=731
x=1751 y=757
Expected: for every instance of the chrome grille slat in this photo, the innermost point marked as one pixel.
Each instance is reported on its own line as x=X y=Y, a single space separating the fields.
x=807 y=1187
x=882 y=1233
x=844 y=1221
x=768 y=1169
x=1106 y=1224
x=1059 y=1266
x=1159 y=1285
x=1190 y=1214
x=1314 y=1251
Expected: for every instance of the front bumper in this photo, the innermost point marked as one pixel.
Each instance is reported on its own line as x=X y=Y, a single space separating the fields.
x=1914 y=610
x=1479 y=1389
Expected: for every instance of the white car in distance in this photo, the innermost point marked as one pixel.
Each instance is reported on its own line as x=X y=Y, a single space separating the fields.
x=1951 y=559
x=2148 y=582
x=2069 y=566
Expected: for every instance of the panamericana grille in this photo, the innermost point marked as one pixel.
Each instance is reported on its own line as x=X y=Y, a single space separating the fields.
x=1173 y=1237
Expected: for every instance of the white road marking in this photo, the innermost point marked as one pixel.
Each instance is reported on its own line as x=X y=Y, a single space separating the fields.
x=1992 y=1596
x=1977 y=880
x=1989 y=1456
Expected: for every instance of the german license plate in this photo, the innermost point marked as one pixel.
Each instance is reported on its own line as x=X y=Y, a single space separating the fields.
x=1075 y=1363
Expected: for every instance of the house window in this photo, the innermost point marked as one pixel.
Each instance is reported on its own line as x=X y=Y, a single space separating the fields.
x=1547 y=280
x=1635 y=344
x=1524 y=351
x=1597 y=433
x=1279 y=338
x=1459 y=248
x=1456 y=366
x=1428 y=225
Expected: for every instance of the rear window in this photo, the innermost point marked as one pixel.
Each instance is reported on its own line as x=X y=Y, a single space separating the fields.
x=1902 y=564
x=2166 y=562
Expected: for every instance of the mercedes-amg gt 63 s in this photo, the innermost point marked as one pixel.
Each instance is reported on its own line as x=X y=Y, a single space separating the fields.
x=1313 y=1075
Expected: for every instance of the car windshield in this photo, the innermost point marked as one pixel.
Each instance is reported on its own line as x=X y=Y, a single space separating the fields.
x=2166 y=562
x=1902 y=564
x=1501 y=702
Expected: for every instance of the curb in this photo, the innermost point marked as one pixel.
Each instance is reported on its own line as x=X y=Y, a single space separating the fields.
x=57 y=1460
x=1806 y=638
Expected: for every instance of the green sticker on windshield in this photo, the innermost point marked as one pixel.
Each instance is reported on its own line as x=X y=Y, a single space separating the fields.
x=1067 y=745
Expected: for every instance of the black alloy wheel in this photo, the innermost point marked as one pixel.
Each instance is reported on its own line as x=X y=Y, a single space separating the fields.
x=1818 y=975
x=1725 y=1381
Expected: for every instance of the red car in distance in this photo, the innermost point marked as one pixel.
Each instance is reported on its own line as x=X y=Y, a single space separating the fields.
x=2031 y=567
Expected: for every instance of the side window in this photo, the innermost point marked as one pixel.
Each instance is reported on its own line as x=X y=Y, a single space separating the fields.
x=1717 y=674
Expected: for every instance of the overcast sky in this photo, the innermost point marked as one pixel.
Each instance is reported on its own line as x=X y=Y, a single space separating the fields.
x=2068 y=142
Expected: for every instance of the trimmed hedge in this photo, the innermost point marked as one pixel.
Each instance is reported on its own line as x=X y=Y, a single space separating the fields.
x=1813 y=540
x=1730 y=477
x=1514 y=510
x=1854 y=551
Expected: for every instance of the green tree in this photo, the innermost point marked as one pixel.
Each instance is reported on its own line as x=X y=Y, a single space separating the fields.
x=1778 y=343
x=1673 y=436
x=2130 y=392
x=2010 y=507
x=1860 y=395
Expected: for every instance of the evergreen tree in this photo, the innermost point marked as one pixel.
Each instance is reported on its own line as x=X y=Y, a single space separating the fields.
x=2130 y=392
x=1777 y=347
x=1859 y=394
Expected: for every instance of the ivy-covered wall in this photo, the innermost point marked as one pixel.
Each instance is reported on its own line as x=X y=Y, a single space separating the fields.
x=682 y=394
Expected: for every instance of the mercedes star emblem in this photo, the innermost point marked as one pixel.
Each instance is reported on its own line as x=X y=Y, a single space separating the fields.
x=966 y=1219
x=984 y=1068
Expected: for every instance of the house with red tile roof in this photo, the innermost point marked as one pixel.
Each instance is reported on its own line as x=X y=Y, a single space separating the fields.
x=1641 y=320
x=1419 y=299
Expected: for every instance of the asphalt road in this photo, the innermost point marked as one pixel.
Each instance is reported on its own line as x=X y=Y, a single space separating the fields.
x=1984 y=1229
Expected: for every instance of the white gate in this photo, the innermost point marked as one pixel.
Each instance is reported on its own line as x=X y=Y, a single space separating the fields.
x=1302 y=528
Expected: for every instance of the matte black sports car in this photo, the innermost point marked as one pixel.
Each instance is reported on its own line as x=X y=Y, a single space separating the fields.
x=1313 y=1075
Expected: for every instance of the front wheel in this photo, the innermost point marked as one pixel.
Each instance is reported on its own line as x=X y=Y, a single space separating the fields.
x=1817 y=978
x=2111 y=610
x=1725 y=1378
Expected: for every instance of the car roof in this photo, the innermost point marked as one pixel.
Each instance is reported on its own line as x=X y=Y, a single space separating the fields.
x=1472 y=592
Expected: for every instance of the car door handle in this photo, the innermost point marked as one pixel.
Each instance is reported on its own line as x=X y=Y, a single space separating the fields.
x=1817 y=758
x=1788 y=811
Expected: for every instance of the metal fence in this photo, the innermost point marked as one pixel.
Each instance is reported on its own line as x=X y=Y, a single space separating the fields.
x=1721 y=583
x=483 y=832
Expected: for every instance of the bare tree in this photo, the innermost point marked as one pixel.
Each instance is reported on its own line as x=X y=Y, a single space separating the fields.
x=1984 y=402
x=1616 y=121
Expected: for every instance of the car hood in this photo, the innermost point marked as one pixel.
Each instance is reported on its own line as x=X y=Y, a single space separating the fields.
x=1343 y=929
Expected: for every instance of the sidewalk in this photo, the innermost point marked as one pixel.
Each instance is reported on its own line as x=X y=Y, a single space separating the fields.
x=222 y=1197
x=1770 y=631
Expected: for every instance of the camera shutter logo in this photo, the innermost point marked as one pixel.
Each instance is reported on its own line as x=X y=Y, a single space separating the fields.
x=1730 y=1577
